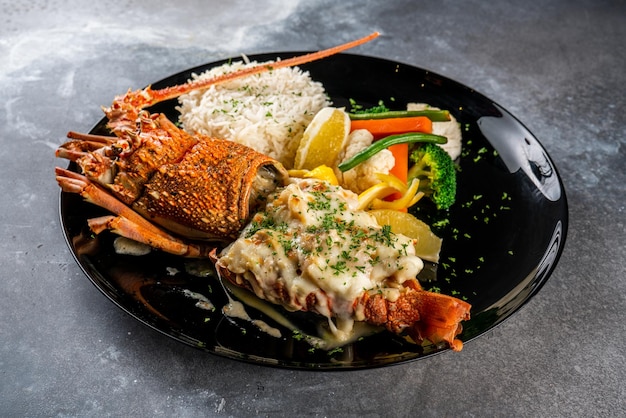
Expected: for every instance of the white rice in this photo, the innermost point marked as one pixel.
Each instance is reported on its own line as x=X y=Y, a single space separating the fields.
x=267 y=112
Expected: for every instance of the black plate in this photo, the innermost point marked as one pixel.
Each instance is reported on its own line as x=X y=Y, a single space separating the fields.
x=502 y=238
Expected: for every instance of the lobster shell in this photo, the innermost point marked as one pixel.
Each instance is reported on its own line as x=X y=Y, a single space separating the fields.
x=211 y=192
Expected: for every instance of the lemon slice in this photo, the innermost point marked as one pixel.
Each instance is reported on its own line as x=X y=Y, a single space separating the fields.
x=323 y=139
x=427 y=245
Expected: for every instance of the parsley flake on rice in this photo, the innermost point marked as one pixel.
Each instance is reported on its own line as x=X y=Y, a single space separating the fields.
x=267 y=112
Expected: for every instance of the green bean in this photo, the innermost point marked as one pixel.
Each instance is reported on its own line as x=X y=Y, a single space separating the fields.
x=433 y=115
x=381 y=144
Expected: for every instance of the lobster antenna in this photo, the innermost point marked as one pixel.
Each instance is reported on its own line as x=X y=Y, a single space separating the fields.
x=175 y=91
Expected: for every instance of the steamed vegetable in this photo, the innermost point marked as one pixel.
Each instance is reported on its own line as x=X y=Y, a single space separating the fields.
x=384 y=143
x=435 y=115
x=393 y=126
x=436 y=172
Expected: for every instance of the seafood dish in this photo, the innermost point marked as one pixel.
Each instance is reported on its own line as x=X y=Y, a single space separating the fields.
x=313 y=228
x=349 y=268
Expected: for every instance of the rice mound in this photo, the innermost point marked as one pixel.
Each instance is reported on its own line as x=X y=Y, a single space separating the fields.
x=267 y=112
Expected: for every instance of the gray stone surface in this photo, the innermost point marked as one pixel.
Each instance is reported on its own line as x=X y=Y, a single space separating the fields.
x=559 y=66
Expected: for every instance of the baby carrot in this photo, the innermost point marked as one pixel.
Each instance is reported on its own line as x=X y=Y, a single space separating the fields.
x=381 y=128
x=401 y=154
x=401 y=168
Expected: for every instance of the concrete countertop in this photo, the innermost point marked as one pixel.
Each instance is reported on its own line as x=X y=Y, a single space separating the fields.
x=558 y=66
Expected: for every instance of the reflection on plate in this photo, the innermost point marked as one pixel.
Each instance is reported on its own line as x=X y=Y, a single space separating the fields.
x=502 y=238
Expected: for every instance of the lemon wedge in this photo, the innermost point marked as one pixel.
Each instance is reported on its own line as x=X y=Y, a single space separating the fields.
x=427 y=244
x=323 y=139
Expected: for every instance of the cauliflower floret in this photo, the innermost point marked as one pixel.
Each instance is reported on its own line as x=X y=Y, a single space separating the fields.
x=450 y=129
x=363 y=176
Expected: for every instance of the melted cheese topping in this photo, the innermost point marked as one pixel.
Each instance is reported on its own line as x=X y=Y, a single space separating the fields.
x=310 y=249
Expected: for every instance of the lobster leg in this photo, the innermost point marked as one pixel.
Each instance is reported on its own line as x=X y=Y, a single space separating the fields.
x=128 y=229
x=72 y=182
x=75 y=150
x=82 y=144
x=128 y=223
x=100 y=140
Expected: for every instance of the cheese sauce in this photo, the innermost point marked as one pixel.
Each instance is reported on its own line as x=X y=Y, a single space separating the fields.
x=310 y=249
x=327 y=339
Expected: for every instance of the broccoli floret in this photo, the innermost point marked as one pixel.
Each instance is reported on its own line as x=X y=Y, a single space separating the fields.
x=435 y=170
